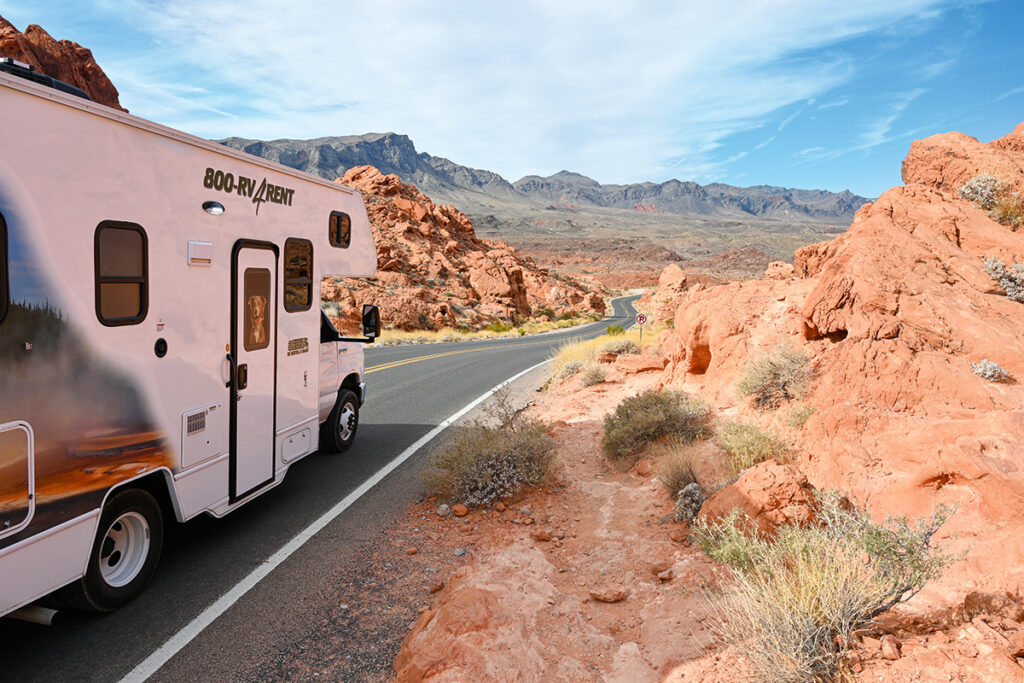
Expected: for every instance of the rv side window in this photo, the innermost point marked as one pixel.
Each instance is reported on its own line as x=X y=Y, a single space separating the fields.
x=5 y=289
x=339 y=229
x=298 y=274
x=122 y=270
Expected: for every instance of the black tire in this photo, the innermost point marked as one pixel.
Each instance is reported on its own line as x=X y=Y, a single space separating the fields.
x=112 y=578
x=339 y=431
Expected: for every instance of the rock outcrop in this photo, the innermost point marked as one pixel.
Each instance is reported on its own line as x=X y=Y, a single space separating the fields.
x=61 y=59
x=892 y=314
x=769 y=495
x=433 y=272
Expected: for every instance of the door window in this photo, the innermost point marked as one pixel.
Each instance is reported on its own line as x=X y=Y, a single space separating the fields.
x=256 y=293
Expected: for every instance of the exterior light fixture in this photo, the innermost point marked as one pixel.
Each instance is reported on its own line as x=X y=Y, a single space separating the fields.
x=213 y=208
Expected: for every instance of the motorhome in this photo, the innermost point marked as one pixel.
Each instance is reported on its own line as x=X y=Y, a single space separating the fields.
x=163 y=352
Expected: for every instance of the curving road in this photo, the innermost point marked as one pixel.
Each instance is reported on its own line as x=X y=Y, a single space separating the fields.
x=411 y=390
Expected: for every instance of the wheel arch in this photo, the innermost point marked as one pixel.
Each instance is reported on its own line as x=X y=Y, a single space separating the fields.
x=158 y=483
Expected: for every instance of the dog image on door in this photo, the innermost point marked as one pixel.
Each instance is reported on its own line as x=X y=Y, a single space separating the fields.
x=256 y=328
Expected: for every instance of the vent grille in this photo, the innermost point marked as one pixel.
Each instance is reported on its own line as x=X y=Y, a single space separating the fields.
x=196 y=422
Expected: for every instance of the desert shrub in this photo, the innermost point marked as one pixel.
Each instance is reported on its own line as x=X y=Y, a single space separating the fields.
x=545 y=311
x=620 y=346
x=984 y=190
x=639 y=420
x=592 y=374
x=798 y=597
x=615 y=330
x=1009 y=210
x=332 y=309
x=1010 y=279
x=498 y=326
x=571 y=368
x=799 y=415
x=996 y=197
x=480 y=464
x=675 y=471
x=782 y=376
x=990 y=370
x=747 y=445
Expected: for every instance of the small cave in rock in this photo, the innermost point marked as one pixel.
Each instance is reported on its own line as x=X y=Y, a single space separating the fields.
x=700 y=359
x=811 y=333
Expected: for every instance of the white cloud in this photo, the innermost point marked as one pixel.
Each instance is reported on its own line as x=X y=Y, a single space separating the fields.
x=621 y=92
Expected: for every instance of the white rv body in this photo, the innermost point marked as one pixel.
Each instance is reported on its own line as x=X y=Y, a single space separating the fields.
x=80 y=185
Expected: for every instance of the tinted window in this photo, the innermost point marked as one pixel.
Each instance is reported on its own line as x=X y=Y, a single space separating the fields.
x=5 y=291
x=339 y=229
x=298 y=274
x=121 y=273
x=256 y=326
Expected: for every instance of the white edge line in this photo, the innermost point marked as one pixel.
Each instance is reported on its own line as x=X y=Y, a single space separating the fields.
x=151 y=664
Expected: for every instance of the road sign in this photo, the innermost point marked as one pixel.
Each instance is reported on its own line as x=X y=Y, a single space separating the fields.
x=641 y=319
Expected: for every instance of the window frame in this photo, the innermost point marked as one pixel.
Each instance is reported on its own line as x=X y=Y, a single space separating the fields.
x=5 y=271
x=330 y=239
x=101 y=280
x=298 y=280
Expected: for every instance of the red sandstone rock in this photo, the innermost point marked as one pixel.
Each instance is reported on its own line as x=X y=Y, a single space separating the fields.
x=433 y=272
x=608 y=593
x=644 y=467
x=890 y=647
x=769 y=494
x=460 y=510
x=992 y=604
x=1016 y=647
x=892 y=313
x=64 y=60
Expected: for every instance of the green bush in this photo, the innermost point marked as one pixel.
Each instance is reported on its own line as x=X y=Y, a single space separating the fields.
x=782 y=376
x=545 y=311
x=480 y=464
x=639 y=420
x=799 y=596
x=498 y=326
x=747 y=445
x=799 y=415
x=614 y=330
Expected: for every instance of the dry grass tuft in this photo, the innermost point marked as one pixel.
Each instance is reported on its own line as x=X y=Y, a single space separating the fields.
x=746 y=445
x=782 y=376
x=798 y=598
x=676 y=471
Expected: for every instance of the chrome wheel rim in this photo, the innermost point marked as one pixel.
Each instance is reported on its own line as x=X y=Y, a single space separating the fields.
x=124 y=549
x=347 y=422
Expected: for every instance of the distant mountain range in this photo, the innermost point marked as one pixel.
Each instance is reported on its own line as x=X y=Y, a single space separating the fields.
x=475 y=190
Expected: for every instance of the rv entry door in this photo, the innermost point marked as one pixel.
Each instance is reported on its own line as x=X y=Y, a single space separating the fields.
x=254 y=352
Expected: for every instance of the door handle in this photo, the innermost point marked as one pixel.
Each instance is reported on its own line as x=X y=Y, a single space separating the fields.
x=242 y=377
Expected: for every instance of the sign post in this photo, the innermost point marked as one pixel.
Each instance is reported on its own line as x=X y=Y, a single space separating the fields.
x=641 y=320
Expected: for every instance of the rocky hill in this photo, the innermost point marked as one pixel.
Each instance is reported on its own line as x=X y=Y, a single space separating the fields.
x=897 y=315
x=433 y=271
x=64 y=60
x=447 y=181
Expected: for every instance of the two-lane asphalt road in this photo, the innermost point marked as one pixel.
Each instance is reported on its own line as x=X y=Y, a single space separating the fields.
x=196 y=602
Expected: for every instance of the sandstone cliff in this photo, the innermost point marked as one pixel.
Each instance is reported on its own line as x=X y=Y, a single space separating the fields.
x=64 y=60
x=893 y=313
x=433 y=272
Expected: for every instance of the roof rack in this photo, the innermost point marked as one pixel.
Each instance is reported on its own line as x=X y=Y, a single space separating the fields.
x=26 y=71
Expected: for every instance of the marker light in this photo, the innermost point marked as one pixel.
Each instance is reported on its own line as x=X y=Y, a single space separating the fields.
x=213 y=208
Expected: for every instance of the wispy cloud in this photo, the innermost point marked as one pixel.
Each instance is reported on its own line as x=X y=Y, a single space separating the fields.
x=834 y=104
x=621 y=92
x=1008 y=94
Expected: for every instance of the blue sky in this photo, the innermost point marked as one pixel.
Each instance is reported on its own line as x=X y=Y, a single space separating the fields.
x=803 y=93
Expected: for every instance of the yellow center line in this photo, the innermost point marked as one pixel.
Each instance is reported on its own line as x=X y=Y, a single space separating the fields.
x=407 y=361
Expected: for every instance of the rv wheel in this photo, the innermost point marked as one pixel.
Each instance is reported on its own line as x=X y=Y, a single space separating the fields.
x=339 y=431
x=124 y=555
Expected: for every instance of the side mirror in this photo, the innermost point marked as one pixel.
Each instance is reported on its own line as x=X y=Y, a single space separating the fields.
x=371 y=321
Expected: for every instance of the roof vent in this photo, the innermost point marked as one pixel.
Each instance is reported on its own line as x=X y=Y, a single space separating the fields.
x=26 y=71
